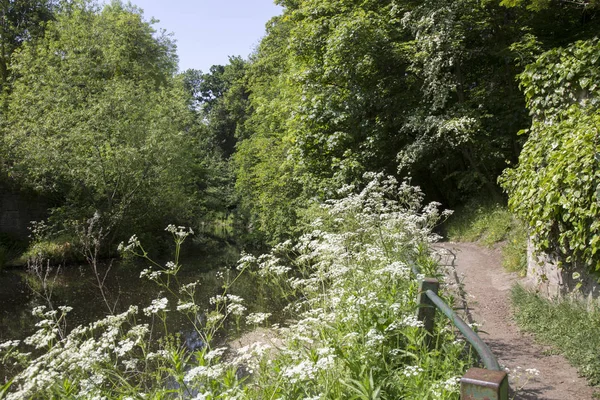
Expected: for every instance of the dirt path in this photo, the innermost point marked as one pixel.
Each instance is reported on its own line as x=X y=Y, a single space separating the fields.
x=487 y=286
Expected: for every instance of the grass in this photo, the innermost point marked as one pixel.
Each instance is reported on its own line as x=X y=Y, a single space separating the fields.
x=491 y=223
x=56 y=250
x=569 y=326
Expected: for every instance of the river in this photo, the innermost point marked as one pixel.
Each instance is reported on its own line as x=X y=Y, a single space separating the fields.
x=76 y=286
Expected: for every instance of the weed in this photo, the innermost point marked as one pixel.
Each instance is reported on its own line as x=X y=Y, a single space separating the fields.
x=352 y=331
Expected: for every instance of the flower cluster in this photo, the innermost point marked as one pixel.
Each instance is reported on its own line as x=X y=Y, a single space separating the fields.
x=350 y=320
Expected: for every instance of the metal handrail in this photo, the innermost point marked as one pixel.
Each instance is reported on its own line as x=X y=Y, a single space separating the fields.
x=477 y=384
x=486 y=355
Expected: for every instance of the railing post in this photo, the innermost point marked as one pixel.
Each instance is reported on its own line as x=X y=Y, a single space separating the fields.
x=426 y=308
x=484 y=384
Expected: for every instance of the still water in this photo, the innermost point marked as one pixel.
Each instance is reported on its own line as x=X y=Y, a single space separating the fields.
x=76 y=286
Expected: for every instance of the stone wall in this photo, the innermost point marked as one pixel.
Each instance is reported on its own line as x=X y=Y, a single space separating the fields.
x=544 y=275
x=18 y=210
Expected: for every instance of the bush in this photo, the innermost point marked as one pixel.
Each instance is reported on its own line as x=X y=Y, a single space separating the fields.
x=106 y=129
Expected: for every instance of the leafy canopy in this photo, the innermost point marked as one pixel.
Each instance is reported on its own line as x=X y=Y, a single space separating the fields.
x=97 y=119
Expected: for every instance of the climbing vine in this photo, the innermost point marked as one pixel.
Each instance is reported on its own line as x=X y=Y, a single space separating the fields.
x=556 y=186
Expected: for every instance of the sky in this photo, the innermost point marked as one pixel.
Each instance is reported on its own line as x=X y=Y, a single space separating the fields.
x=208 y=31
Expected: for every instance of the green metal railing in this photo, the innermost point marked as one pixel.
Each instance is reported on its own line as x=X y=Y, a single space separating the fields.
x=490 y=383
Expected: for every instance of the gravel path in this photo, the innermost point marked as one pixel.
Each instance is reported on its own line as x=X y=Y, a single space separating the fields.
x=487 y=287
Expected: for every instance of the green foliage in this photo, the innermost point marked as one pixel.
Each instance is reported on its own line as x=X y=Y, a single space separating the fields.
x=514 y=251
x=571 y=327
x=97 y=120
x=555 y=187
x=462 y=129
x=269 y=180
x=56 y=250
x=339 y=88
x=22 y=20
x=561 y=78
x=539 y=5
x=221 y=97
x=486 y=222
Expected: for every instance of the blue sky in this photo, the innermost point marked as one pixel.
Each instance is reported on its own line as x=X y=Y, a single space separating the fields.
x=208 y=31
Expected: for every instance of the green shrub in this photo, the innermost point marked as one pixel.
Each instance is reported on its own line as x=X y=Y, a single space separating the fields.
x=56 y=250
x=480 y=221
x=514 y=251
x=568 y=325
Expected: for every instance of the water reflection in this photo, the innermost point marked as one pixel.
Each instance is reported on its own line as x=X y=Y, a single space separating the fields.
x=76 y=286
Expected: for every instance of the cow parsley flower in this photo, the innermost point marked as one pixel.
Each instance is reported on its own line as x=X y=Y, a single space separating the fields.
x=412 y=370
x=257 y=318
x=156 y=306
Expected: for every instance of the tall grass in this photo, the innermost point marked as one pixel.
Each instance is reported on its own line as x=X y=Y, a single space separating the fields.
x=570 y=326
x=351 y=330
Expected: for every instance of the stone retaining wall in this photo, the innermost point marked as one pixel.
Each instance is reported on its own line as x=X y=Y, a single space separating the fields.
x=18 y=210
x=544 y=275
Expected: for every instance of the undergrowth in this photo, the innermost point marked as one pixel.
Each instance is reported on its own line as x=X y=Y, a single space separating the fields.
x=490 y=223
x=352 y=332
x=568 y=325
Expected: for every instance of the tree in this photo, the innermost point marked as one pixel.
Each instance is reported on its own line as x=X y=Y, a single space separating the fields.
x=221 y=97
x=425 y=90
x=268 y=178
x=339 y=88
x=97 y=119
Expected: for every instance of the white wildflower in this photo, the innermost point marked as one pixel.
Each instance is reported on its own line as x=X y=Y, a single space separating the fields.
x=412 y=370
x=156 y=306
x=216 y=299
x=130 y=364
x=374 y=338
x=236 y=309
x=257 y=318
x=218 y=352
x=9 y=344
x=303 y=371
x=190 y=306
x=451 y=384
x=124 y=347
x=189 y=287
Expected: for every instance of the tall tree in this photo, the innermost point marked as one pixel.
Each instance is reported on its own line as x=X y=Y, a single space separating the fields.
x=221 y=97
x=341 y=87
x=97 y=118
